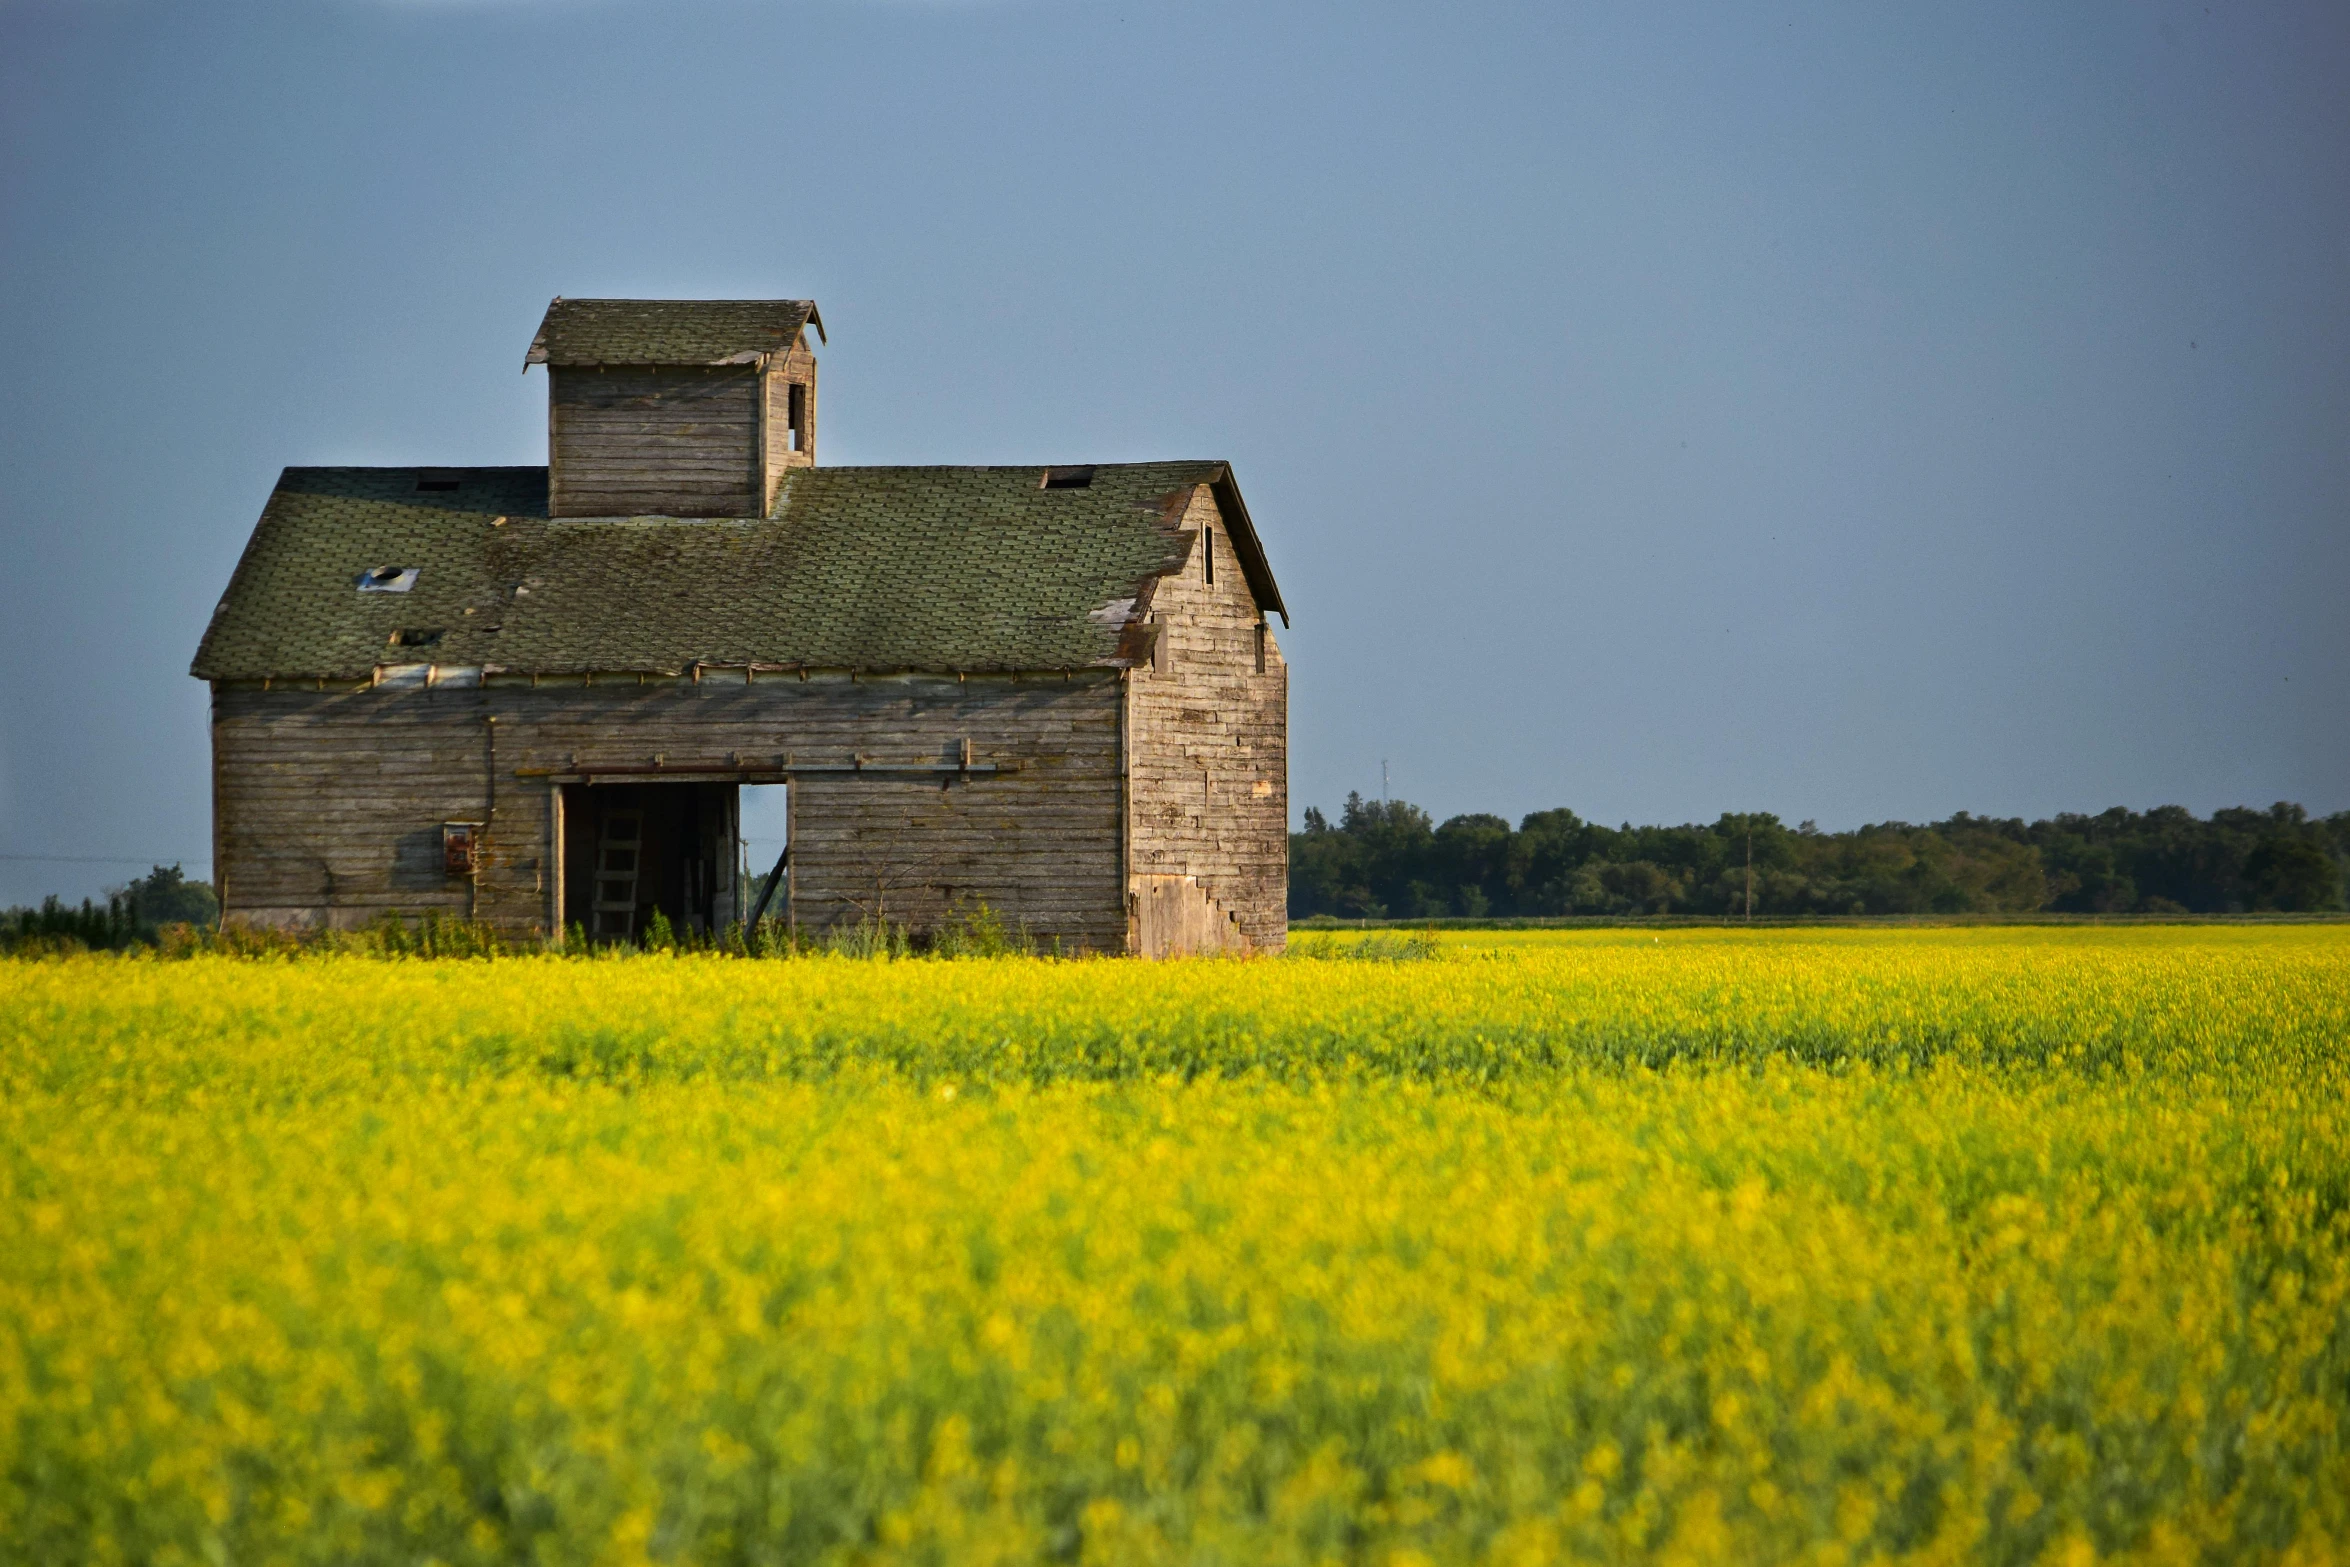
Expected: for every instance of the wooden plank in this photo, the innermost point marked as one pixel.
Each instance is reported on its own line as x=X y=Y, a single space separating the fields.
x=679 y=442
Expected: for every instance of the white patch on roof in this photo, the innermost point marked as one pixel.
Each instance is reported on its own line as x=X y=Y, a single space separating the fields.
x=397 y=677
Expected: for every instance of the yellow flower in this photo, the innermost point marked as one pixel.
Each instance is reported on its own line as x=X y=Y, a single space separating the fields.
x=1814 y=1245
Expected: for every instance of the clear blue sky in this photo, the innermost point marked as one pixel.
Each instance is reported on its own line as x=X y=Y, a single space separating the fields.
x=1853 y=412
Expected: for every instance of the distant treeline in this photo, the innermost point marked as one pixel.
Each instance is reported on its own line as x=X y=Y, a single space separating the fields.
x=133 y=916
x=1387 y=860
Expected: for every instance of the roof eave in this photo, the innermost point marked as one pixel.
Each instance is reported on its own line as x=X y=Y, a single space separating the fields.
x=537 y=352
x=214 y=673
x=1245 y=544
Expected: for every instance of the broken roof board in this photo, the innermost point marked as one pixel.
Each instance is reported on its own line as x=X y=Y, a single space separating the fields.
x=972 y=569
x=669 y=331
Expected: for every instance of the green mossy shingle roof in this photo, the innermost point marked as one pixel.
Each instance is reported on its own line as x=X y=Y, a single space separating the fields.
x=668 y=331
x=976 y=569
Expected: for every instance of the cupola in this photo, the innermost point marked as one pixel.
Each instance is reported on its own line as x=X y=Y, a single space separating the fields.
x=675 y=407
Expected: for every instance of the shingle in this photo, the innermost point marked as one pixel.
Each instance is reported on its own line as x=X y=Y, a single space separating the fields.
x=976 y=569
x=668 y=331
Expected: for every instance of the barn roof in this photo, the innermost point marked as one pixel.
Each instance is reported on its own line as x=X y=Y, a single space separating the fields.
x=975 y=569
x=668 y=331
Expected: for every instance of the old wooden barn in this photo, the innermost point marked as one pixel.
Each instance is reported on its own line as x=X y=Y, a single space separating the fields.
x=531 y=696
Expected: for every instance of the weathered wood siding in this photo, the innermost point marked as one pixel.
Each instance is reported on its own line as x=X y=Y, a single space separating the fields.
x=328 y=805
x=1173 y=917
x=636 y=441
x=1208 y=737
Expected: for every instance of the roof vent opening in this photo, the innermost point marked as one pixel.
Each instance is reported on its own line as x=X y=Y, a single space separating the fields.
x=1068 y=478
x=387 y=579
x=436 y=479
x=414 y=636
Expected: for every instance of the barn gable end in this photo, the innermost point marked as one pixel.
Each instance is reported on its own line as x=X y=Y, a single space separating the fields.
x=1208 y=740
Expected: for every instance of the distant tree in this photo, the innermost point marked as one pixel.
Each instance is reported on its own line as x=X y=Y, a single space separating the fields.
x=1327 y=872
x=2292 y=874
x=1471 y=864
x=2085 y=877
x=165 y=896
x=1639 y=887
x=57 y=926
x=1549 y=849
x=1395 y=842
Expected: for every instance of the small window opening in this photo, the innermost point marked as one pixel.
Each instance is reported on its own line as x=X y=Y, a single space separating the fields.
x=1261 y=639
x=1207 y=555
x=1068 y=478
x=436 y=479
x=415 y=636
x=796 y=417
x=387 y=579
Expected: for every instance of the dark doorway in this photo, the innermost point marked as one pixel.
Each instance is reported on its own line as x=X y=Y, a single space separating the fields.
x=632 y=849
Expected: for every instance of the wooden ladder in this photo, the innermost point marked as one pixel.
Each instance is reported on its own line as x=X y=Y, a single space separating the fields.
x=619 y=853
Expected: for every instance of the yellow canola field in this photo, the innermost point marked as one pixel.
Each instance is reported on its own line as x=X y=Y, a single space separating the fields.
x=1984 y=1245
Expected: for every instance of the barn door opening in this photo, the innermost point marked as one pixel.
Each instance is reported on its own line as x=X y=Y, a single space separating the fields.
x=631 y=850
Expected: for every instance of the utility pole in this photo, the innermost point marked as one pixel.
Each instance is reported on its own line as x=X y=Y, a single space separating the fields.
x=1383 y=780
